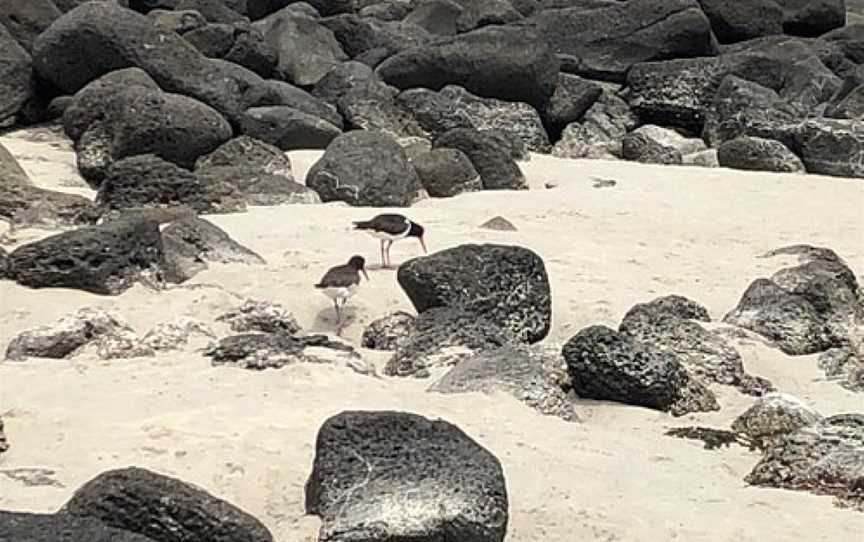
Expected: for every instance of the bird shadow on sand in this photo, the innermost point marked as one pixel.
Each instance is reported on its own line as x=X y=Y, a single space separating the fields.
x=379 y=267
x=325 y=320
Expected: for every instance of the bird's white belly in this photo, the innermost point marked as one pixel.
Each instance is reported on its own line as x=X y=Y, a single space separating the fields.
x=387 y=236
x=342 y=292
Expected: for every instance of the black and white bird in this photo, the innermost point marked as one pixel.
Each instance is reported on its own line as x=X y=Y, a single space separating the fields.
x=340 y=283
x=389 y=228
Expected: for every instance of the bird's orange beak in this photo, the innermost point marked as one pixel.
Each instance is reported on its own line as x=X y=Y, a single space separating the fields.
x=423 y=244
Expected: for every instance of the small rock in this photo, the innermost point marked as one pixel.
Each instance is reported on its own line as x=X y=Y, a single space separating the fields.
x=4 y=442
x=845 y=365
x=388 y=332
x=706 y=158
x=263 y=316
x=259 y=351
x=118 y=345
x=63 y=338
x=175 y=333
x=409 y=477
x=498 y=223
x=773 y=416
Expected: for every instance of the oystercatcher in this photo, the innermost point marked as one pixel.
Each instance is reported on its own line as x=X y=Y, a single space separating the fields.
x=340 y=282
x=388 y=228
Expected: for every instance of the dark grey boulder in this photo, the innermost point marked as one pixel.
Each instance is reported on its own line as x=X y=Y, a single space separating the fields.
x=214 y=40
x=16 y=73
x=504 y=62
x=772 y=417
x=507 y=285
x=446 y=173
x=833 y=147
x=288 y=128
x=26 y=20
x=365 y=169
x=245 y=151
x=515 y=121
x=89 y=104
x=253 y=186
x=640 y=147
x=149 y=181
x=105 y=259
x=306 y=49
x=360 y=36
x=607 y=365
x=437 y=17
x=163 y=508
x=572 y=98
x=603 y=41
x=99 y=37
x=600 y=132
x=824 y=458
x=177 y=21
x=26 y=527
x=367 y=463
x=528 y=374
x=850 y=105
x=388 y=332
x=743 y=20
x=4 y=263
x=251 y=50
x=215 y=11
x=672 y=323
x=743 y=108
x=492 y=160
x=433 y=111
x=191 y=243
x=812 y=18
x=445 y=336
x=479 y=13
x=758 y=154
x=4 y=446
x=275 y=93
x=343 y=79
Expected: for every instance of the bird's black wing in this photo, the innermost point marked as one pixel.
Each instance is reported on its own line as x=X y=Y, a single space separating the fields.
x=394 y=224
x=339 y=277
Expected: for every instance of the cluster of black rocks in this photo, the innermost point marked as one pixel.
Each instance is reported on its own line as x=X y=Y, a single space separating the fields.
x=445 y=93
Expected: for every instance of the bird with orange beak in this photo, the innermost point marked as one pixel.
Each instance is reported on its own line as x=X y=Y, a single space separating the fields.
x=389 y=228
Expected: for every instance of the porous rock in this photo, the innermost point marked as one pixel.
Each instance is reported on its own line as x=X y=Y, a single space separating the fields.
x=393 y=475
x=833 y=146
x=259 y=315
x=259 y=351
x=173 y=334
x=498 y=170
x=758 y=154
x=65 y=336
x=446 y=172
x=23 y=526
x=599 y=133
x=388 y=332
x=774 y=416
x=247 y=151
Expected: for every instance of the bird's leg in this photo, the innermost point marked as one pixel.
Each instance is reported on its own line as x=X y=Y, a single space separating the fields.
x=383 y=261
x=338 y=312
x=389 y=262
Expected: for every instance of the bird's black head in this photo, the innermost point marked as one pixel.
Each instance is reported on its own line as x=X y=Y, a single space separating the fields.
x=358 y=263
x=416 y=230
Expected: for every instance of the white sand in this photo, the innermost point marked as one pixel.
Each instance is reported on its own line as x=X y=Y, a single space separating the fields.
x=248 y=437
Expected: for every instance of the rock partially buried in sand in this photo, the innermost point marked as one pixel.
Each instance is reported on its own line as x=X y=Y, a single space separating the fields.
x=105 y=259
x=67 y=335
x=263 y=316
x=497 y=168
x=498 y=223
x=251 y=152
x=175 y=333
x=444 y=336
x=381 y=476
x=758 y=154
x=671 y=323
x=507 y=285
x=845 y=365
x=162 y=508
x=4 y=442
x=388 y=332
x=607 y=365
x=26 y=527
x=825 y=458
x=528 y=374
x=774 y=416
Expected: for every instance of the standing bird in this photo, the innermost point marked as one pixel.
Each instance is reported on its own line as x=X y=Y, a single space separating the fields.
x=388 y=228
x=341 y=282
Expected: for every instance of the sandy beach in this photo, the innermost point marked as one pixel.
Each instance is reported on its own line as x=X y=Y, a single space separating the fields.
x=248 y=437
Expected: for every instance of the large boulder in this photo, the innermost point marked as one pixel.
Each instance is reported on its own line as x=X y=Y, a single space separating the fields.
x=758 y=154
x=825 y=458
x=162 y=508
x=433 y=111
x=492 y=160
x=16 y=71
x=440 y=482
x=26 y=20
x=600 y=132
x=138 y=120
x=365 y=36
x=514 y=120
x=504 y=62
x=607 y=365
x=245 y=151
x=149 y=181
x=22 y=526
x=99 y=37
x=288 y=128
x=812 y=18
x=306 y=49
x=105 y=259
x=572 y=98
x=833 y=147
x=744 y=19
x=271 y=93
x=675 y=325
x=849 y=106
x=365 y=169
x=446 y=172
x=604 y=40
x=507 y=285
